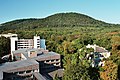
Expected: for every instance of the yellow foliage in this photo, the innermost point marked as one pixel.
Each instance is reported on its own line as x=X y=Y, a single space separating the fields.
x=110 y=71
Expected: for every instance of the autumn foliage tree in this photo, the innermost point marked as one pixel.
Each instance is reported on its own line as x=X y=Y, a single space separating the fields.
x=110 y=71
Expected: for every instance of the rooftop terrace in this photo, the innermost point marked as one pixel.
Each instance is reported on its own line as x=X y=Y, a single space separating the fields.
x=17 y=66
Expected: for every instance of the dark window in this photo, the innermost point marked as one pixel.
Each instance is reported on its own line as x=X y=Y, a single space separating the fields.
x=28 y=71
x=47 y=60
x=21 y=72
x=52 y=60
x=57 y=59
x=57 y=63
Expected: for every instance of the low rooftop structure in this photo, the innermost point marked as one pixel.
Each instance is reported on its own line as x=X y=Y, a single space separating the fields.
x=100 y=50
x=18 y=66
x=97 y=48
x=38 y=76
x=31 y=60
x=98 y=55
x=30 y=56
x=8 y=35
x=35 y=53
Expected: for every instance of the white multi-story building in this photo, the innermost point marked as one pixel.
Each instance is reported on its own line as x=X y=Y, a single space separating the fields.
x=24 y=43
x=98 y=55
x=36 y=41
x=13 y=43
x=17 y=44
x=99 y=49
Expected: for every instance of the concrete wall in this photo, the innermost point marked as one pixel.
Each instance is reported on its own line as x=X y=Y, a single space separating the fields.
x=12 y=40
x=36 y=41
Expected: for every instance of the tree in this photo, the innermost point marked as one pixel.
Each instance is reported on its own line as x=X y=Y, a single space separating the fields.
x=4 y=46
x=56 y=77
x=94 y=73
x=76 y=72
x=110 y=71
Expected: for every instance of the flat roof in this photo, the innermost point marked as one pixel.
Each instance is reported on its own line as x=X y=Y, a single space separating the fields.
x=45 y=55
x=59 y=73
x=48 y=54
x=26 y=50
x=15 y=65
x=41 y=53
x=8 y=35
x=38 y=76
x=12 y=66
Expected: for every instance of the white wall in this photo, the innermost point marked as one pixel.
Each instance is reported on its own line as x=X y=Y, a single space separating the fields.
x=13 y=39
x=36 y=41
x=8 y=35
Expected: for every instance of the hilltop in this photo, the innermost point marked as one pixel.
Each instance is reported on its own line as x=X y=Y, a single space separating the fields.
x=56 y=20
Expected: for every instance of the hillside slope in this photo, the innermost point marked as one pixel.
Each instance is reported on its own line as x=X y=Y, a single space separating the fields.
x=56 y=20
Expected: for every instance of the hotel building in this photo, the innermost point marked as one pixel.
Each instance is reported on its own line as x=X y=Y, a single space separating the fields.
x=36 y=42
x=31 y=64
x=31 y=61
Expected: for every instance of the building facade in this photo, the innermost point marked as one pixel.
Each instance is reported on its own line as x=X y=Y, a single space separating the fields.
x=13 y=43
x=97 y=57
x=36 y=42
x=31 y=60
x=42 y=43
x=28 y=63
x=24 y=43
x=19 y=70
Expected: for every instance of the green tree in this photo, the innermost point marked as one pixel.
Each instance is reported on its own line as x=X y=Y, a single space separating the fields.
x=76 y=72
x=4 y=46
x=56 y=77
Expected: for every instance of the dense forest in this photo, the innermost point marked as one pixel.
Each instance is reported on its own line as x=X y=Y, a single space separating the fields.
x=66 y=34
x=56 y=20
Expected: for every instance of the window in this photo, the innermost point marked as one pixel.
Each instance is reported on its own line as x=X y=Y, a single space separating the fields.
x=57 y=64
x=16 y=73
x=57 y=59
x=21 y=72
x=29 y=71
x=52 y=60
x=47 y=60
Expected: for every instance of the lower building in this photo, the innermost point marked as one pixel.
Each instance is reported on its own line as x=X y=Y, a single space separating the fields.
x=30 y=64
x=18 y=69
x=8 y=35
x=98 y=55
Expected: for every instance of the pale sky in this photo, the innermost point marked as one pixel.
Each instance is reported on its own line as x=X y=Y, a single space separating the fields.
x=105 y=10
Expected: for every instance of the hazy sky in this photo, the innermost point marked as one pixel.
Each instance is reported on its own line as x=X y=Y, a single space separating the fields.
x=105 y=10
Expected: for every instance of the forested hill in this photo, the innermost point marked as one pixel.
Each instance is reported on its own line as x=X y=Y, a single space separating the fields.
x=56 y=20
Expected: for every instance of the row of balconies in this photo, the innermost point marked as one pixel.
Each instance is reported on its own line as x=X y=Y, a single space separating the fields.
x=25 y=40
x=50 y=65
x=26 y=72
x=24 y=44
x=53 y=60
x=23 y=47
